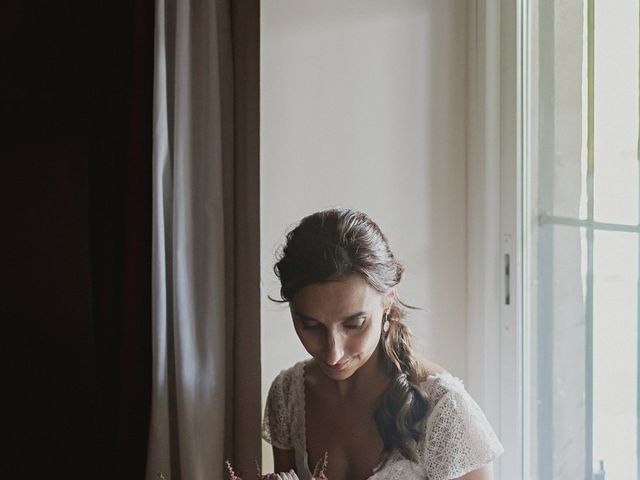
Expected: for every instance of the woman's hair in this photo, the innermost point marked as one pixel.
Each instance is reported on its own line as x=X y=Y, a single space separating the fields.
x=335 y=243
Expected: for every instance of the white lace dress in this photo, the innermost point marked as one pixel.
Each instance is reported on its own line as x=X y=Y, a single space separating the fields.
x=457 y=436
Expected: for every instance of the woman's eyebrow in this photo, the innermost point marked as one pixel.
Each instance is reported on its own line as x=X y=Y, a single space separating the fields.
x=357 y=315
x=350 y=317
x=303 y=316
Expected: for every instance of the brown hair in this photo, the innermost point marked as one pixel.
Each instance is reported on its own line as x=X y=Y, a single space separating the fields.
x=330 y=245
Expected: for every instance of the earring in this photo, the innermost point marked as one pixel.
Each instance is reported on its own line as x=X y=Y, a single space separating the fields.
x=385 y=326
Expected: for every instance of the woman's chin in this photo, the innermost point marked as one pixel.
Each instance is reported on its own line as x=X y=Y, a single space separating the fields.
x=342 y=372
x=339 y=372
x=337 y=375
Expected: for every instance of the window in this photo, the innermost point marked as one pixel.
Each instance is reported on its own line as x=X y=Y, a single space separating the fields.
x=580 y=68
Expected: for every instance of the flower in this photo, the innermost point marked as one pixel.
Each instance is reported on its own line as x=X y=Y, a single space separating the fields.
x=319 y=472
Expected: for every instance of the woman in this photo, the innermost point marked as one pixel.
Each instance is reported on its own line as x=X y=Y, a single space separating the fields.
x=364 y=396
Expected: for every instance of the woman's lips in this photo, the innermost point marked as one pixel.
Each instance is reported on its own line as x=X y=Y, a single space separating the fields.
x=337 y=366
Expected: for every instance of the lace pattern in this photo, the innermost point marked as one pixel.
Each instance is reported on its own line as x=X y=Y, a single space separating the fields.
x=457 y=436
x=280 y=408
x=458 y=439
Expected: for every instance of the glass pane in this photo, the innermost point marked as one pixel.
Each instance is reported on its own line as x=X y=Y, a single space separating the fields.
x=560 y=92
x=615 y=353
x=616 y=111
x=558 y=360
x=560 y=370
x=582 y=326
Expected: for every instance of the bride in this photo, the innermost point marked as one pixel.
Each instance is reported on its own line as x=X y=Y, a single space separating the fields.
x=364 y=396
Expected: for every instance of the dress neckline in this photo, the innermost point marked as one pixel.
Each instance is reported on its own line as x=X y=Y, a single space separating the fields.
x=303 y=396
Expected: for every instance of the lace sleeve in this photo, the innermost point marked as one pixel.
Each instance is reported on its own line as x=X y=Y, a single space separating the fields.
x=459 y=437
x=276 y=422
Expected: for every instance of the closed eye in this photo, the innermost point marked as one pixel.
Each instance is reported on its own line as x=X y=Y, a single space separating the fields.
x=356 y=326
x=308 y=323
x=311 y=325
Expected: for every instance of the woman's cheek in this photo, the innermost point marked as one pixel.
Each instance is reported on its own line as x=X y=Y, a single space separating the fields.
x=309 y=340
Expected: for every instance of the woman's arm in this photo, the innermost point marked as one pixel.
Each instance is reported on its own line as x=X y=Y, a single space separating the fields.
x=483 y=473
x=285 y=460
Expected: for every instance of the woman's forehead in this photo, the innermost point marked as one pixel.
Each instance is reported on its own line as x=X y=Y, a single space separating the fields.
x=341 y=296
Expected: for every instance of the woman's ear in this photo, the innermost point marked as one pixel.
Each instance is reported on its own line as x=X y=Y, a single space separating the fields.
x=389 y=299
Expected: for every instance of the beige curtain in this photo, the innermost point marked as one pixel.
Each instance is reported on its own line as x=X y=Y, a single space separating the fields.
x=206 y=295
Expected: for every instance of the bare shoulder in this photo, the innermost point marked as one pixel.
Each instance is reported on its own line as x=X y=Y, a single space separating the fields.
x=315 y=382
x=312 y=376
x=429 y=367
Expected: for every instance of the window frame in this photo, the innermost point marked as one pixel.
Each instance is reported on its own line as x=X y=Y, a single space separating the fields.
x=496 y=194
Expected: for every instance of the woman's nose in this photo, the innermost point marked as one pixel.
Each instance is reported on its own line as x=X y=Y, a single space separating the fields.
x=335 y=348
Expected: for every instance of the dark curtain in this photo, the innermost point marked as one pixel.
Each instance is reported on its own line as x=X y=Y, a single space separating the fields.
x=76 y=83
x=241 y=101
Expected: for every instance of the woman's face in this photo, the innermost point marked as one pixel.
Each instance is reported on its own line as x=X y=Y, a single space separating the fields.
x=339 y=323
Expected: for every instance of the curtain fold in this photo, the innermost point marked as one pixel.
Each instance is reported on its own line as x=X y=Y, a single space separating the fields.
x=200 y=228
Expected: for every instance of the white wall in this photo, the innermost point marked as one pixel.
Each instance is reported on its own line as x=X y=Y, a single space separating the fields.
x=364 y=106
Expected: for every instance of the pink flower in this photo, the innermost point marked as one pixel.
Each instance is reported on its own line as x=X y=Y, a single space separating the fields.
x=319 y=472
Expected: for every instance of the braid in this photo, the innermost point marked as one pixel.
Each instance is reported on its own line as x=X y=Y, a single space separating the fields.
x=404 y=404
